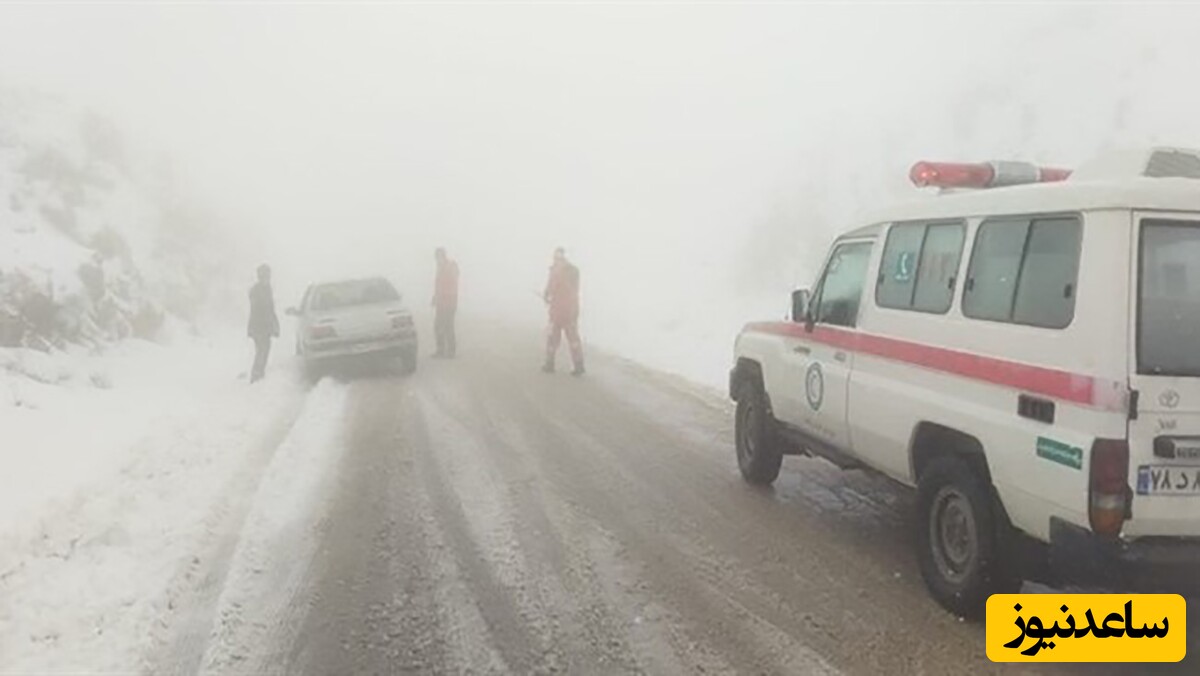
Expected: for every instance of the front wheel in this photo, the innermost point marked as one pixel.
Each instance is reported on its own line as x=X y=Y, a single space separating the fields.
x=959 y=536
x=758 y=449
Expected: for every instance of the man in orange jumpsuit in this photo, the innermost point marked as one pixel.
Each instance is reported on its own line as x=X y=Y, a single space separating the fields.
x=445 y=305
x=562 y=298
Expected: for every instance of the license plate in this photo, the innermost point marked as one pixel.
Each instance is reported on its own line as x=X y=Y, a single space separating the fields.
x=1168 y=480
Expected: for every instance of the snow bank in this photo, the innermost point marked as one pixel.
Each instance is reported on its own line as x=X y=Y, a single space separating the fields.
x=280 y=539
x=113 y=475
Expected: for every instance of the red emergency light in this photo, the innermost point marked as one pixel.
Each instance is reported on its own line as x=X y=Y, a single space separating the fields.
x=982 y=174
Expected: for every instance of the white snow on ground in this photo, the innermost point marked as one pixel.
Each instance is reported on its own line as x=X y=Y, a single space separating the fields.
x=69 y=417
x=108 y=492
x=271 y=563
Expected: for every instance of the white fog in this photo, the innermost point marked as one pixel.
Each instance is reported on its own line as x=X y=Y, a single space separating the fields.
x=695 y=160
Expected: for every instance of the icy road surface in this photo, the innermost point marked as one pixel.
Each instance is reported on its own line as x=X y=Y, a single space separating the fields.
x=480 y=517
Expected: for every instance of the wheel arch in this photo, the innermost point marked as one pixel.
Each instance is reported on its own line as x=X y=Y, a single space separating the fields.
x=748 y=371
x=931 y=440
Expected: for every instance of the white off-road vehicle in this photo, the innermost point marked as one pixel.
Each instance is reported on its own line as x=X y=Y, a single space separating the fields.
x=1024 y=349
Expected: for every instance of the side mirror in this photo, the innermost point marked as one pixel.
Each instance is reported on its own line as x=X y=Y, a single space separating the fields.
x=292 y=312
x=800 y=300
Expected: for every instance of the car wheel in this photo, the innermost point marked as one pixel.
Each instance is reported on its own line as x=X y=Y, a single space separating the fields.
x=959 y=531
x=758 y=448
x=313 y=371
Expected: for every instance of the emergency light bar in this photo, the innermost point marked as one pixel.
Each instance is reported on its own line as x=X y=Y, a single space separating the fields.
x=982 y=175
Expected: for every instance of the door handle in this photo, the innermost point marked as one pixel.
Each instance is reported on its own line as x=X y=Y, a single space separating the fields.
x=840 y=356
x=802 y=349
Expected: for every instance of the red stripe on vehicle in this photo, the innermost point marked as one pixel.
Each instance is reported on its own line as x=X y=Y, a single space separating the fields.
x=1064 y=385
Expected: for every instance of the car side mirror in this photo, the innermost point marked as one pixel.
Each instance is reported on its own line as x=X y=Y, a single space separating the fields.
x=292 y=312
x=800 y=301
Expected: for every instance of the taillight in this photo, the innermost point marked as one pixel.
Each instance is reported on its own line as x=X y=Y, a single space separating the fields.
x=321 y=332
x=1108 y=487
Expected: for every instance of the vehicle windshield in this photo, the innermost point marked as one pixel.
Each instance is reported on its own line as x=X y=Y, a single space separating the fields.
x=358 y=292
x=1169 y=298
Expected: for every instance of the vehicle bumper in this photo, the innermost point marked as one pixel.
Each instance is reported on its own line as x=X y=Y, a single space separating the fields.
x=385 y=346
x=1158 y=564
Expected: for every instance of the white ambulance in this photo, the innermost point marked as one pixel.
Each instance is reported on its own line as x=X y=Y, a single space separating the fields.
x=1024 y=349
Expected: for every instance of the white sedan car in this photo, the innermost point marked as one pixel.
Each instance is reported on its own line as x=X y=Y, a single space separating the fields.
x=354 y=317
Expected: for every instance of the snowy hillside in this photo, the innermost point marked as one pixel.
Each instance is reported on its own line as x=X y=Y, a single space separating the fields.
x=95 y=246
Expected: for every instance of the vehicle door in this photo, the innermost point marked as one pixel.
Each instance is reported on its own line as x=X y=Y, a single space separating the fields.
x=1164 y=434
x=820 y=357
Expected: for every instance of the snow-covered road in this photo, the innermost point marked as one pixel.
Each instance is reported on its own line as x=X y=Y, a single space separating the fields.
x=478 y=517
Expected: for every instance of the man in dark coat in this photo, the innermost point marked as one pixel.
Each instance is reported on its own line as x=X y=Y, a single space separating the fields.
x=445 y=304
x=264 y=324
x=562 y=299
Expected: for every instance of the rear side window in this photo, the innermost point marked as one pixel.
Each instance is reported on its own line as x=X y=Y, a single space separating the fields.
x=1023 y=271
x=918 y=268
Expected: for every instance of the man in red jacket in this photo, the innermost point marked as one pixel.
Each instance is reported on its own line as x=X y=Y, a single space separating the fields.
x=562 y=298
x=445 y=304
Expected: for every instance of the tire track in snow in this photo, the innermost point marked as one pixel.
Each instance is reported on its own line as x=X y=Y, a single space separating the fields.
x=705 y=627
x=562 y=583
x=479 y=524
x=198 y=586
x=263 y=599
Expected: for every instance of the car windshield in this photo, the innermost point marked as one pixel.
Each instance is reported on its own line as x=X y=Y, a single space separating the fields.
x=358 y=292
x=1169 y=298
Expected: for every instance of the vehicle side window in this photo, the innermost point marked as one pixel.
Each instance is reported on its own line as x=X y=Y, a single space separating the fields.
x=1046 y=292
x=1024 y=271
x=898 y=268
x=842 y=284
x=938 y=269
x=919 y=266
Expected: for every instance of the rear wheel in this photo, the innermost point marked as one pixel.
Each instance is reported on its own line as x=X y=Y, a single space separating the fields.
x=758 y=447
x=313 y=371
x=408 y=363
x=960 y=534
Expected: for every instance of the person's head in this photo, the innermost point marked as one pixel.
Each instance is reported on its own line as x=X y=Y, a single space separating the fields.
x=439 y=254
x=264 y=273
x=560 y=255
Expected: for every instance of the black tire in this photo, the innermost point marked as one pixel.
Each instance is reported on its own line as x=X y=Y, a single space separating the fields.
x=961 y=535
x=313 y=371
x=758 y=447
x=408 y=363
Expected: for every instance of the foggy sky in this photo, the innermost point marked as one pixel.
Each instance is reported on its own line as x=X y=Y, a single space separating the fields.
x=652 y=141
